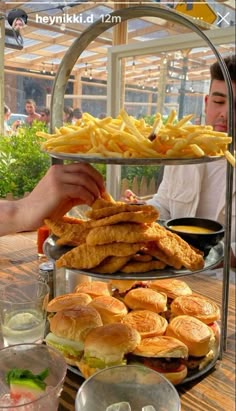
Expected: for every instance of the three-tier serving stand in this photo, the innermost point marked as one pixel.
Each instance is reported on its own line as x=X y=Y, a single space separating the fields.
x=57 y=105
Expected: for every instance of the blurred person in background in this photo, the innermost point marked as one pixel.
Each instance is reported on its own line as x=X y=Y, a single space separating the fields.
x=102 y=115
x=198 y=190
x=45 y=115
x=30 y=108
x=9 y=130
x=67 y=115
x=77 y=115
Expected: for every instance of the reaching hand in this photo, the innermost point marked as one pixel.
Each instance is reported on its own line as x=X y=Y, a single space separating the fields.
x=63 y=187
x=129 y=197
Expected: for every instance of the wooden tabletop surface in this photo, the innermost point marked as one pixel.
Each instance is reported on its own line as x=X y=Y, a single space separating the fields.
x=212 y=392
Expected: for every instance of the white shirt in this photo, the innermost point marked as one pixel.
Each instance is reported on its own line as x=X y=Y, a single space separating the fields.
x=195 y=191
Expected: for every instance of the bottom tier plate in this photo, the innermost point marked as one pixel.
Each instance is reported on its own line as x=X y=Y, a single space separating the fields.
x=194 y=375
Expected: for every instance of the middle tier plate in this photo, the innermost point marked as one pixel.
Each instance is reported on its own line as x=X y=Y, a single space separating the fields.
x=86 y=158
x=212 y=260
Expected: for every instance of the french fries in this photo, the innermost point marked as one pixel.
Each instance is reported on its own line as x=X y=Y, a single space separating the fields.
x=127 y=137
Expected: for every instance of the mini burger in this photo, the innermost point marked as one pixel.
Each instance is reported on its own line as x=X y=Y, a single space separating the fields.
x=110 y=308
x=68 y=330
x=147 y=323
x=146 y=299
x=121 y=287
x=199 y=307
x=164 y=355
x=93 y=288
x=172 y=287
x=198 y=337
x=70 y=301
x=107 y=346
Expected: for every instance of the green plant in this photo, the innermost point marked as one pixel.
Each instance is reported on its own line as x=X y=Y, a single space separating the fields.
x=22 y=163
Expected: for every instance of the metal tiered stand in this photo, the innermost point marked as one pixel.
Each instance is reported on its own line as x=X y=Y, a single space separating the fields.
x=57 y=105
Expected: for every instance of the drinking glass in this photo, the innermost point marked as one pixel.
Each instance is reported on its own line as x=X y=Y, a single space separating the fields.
x=23 y=312
x=35 y=358
x=127 y=387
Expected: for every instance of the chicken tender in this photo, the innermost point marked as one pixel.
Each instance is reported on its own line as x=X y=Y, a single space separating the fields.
x=119 y=207
x=142 y=267
x=178 y=251
x=121 y=233
x=85 y=257
x=111 y=265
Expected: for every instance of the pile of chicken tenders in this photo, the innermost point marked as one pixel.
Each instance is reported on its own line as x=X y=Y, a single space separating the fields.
x=124 y=238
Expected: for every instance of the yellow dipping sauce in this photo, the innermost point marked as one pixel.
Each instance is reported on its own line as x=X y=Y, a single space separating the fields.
x=191 y=229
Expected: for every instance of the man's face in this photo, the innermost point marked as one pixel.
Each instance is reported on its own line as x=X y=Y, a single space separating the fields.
x=29 y=108
x=44 y=118
x=216 y=107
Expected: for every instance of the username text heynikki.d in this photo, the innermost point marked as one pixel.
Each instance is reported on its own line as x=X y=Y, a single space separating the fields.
x=76 y=18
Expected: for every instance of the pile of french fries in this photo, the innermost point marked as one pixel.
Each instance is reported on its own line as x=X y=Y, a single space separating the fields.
x=127 y=137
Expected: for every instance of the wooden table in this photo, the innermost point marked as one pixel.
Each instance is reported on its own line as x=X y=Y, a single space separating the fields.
x=213 y=392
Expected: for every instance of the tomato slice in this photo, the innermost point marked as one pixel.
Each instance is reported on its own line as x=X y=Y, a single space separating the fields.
x=161 y=370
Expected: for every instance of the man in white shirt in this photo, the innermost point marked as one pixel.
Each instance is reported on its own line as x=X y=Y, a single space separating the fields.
x=199 y=190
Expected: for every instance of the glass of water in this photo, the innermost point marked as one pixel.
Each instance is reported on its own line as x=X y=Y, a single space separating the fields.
x=23 y=312
x=127 y=388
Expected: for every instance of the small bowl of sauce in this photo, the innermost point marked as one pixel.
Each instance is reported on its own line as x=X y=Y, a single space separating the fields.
x=201 y=233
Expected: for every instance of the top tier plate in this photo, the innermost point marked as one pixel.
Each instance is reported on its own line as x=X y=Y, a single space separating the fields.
x=131 y=161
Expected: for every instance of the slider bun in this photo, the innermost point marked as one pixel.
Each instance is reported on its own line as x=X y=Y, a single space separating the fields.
x=110 y=342
x=75 y=325
x=177 y=377
x=110 y=309
x=160 y=347
x=170 y=286
x=197 y=306
x=146 y=299
x=147 y=323
x=194 y=333
x=94 y=288
x=124 y=285
x=68 y=302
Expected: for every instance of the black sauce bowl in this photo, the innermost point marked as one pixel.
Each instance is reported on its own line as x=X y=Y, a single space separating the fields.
x=202 y=241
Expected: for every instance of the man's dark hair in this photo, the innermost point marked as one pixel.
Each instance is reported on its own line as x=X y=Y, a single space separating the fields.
x=216 y=72
x=46 y=111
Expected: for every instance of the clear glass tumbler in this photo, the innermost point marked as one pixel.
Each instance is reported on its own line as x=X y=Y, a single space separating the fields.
x=135 y=386
x=23 y=312
x=35 y=358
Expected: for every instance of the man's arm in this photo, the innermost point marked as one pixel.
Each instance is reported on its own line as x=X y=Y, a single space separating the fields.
x=160 y=199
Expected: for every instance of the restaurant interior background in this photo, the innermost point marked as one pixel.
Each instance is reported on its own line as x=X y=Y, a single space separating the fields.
x=173 y=72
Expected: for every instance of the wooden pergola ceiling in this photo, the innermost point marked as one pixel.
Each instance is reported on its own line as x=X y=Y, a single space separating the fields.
x=45 y=44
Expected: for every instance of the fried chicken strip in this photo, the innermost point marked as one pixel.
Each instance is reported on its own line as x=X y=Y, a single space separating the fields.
x=119 y=233
x=178 y=251
x=119 y=207
x=85 y=257
x=142 y=267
